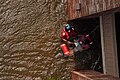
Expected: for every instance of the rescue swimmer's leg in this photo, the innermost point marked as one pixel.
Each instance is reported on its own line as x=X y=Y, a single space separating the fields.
x=59 y=55
x=62 y=55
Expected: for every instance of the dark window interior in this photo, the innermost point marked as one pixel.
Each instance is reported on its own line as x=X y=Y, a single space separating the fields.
x=90 y=26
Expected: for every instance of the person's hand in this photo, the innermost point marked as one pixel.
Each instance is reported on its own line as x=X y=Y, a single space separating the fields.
x=69 y=42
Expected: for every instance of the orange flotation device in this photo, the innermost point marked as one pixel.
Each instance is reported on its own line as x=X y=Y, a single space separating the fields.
x=65 y=49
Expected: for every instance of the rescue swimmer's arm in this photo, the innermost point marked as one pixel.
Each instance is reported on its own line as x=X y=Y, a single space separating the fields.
x=65 y=40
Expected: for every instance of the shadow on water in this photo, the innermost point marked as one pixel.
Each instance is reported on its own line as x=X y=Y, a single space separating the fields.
x=29 y=40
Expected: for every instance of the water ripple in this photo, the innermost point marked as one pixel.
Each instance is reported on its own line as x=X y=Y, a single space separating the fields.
x=29 y=40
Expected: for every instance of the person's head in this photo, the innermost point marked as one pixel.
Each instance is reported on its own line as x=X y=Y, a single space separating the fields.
x=68 y=27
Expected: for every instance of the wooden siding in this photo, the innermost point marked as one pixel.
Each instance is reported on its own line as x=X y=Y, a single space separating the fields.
x=91 y=75
x=89 y=7
x=109 y=52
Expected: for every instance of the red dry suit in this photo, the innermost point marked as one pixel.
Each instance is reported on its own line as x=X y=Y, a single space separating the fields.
x=66 y=35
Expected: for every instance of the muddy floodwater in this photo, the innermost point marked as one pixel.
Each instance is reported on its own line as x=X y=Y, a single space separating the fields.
x=29 y=40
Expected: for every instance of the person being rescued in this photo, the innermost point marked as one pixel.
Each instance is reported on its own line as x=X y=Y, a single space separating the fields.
x=83 y=43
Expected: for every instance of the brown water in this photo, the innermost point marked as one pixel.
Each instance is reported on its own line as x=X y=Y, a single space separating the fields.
x=29 y=40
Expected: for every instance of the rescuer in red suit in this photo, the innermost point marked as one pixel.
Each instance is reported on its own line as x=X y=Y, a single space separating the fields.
x=68 y=34
x=75 y=42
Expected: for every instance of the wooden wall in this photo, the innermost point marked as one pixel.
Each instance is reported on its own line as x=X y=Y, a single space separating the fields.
x=109 y=48
x=91 y=75
x=89 y=7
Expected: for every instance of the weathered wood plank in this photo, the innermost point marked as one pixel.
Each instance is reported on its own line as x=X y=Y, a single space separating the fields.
x=91 y=75
x=89 y=7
